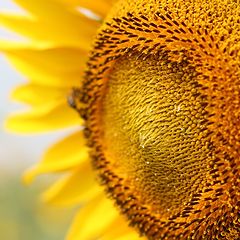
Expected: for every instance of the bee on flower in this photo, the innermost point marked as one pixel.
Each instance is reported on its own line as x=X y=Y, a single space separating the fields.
x=154 y=88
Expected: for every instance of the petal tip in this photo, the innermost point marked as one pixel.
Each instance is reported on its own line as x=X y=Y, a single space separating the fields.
x=29 y=176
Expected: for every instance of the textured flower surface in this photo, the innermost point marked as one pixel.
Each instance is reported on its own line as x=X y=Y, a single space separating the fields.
x=159 y=100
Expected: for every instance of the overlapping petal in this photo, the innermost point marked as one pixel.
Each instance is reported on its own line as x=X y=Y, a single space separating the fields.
x=32 y=94
x=78 y=187
x=100 y=7
x=51 y=116
x=92 y=219
x=66 y=154
x=57 y=66
x=54 y=24
x=119 y=230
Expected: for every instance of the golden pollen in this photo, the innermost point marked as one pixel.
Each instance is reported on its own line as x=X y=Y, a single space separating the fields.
x=161 y=100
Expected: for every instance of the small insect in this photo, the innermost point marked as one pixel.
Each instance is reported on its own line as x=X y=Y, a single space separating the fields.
x=71 y=99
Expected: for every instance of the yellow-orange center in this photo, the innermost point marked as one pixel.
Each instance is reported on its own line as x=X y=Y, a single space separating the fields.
x=155 y=130
x=161 y=104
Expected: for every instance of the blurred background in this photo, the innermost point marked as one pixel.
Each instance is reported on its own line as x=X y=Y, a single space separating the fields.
x=22 y=214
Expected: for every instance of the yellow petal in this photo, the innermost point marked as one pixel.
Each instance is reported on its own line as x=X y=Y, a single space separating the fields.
x=111 y=2
x=52 y=116
x=55 y=66
x=61 y=31
x=127 y=236
x=7 y=45
x=92 y=219
x=55 y=57
x=59 y=17
x=119 y=230
x=80 y=186
x=33 y=94
x=68 y=153
x=100 y=7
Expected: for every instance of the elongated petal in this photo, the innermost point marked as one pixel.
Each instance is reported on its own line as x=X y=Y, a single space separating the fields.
x=47 y=30
x=68 y=153
x=7 y=45
x=111 y=2
x=56 y=14
x=79 y=187
x=51 y=116
x=119 y=230
x=100 y=7
x=92 y=219
x=128 y=235
x=55 y=58
x=33 y=94
x=54 y=66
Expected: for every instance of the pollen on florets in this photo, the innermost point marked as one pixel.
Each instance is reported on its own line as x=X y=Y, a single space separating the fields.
x=161 y=102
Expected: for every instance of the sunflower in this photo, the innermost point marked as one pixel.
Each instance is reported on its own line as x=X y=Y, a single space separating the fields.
x=155 y=85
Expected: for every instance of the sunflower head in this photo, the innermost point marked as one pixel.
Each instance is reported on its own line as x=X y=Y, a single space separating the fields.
x=160 y=103
x=161 y=107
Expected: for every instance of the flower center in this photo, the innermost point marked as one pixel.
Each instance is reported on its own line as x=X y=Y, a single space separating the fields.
x=161 y=104
x=154 y=130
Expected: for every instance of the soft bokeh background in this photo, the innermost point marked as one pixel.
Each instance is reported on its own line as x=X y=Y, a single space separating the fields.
x=22 y=215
